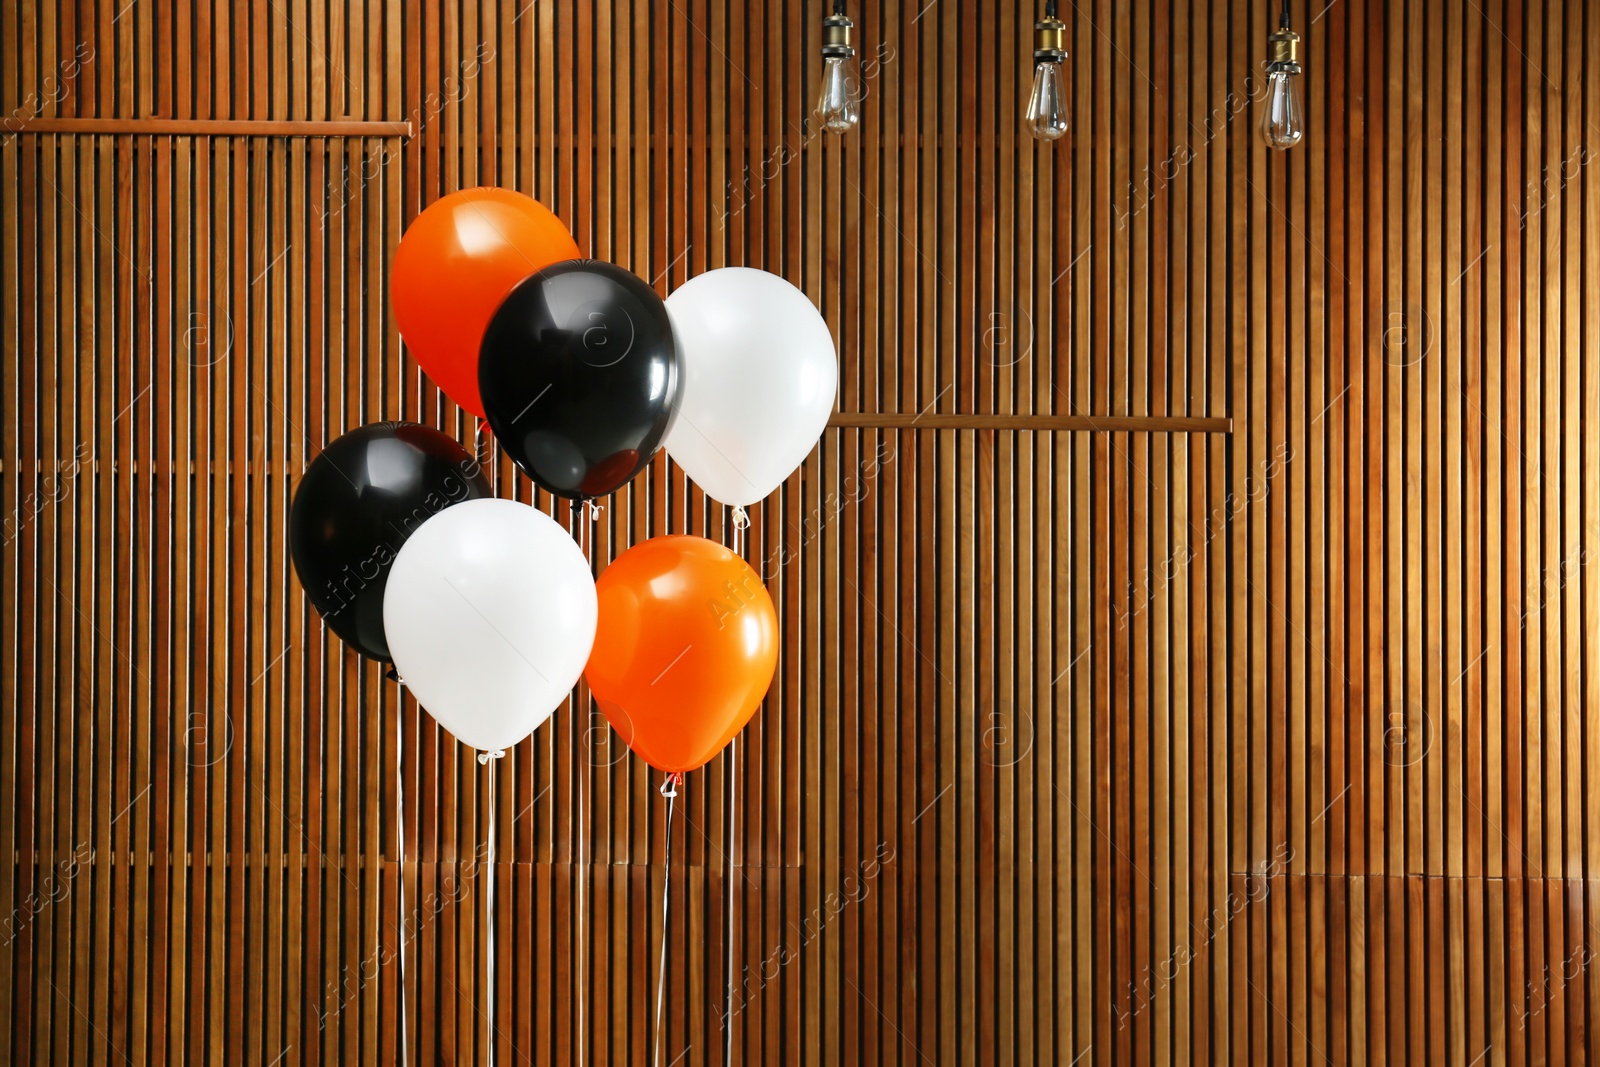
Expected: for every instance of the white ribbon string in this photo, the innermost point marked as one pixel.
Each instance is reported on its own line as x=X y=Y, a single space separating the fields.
x=400 y=855
x=580 y=949
x=669 y=789
x=488 y=895
x=733 y=822
x=741 y=523
x=583 y=515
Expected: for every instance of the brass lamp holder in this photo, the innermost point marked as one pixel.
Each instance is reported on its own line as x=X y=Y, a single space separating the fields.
x=836 y=37
x=1049 y=40
x=1283 y=51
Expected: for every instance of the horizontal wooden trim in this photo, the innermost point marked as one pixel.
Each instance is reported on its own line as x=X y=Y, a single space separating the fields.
x=217 y=127
x=1047 y=423
x=44 y=859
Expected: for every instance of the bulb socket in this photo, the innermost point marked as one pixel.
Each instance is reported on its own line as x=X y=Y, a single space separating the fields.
x=1283 y=51
x=836 y=37
x=1049 y=40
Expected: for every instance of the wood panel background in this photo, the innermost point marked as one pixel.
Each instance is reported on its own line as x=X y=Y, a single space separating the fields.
x=1190 y=618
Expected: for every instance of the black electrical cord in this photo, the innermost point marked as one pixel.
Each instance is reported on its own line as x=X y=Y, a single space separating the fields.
x=1049 y=9
x=1283 y=18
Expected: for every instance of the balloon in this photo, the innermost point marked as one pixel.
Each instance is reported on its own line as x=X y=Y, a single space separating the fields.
x=456 y=262
x=358 y=503
x=490 y=614
x=685 y=649
x=759 y=378
x=579 y=376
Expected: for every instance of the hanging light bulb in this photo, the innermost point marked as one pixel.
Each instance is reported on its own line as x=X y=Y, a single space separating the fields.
x=839 y=103
x=1284 y=122
x=1047 y=104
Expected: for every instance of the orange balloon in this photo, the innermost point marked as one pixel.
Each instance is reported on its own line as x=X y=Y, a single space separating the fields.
x=456 y=263
x=684 y=651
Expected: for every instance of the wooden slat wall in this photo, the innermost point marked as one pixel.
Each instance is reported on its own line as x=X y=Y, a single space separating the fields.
x=1092 y=741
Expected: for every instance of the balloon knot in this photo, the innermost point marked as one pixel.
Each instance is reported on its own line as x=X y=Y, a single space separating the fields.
x=741 y=518
x=669 y=788
x=485 y=757
x=594 y=509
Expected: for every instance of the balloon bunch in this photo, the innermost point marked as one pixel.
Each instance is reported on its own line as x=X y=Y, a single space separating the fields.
x=487 y=608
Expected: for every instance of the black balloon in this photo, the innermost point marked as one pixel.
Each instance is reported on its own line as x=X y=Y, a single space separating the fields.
x=579 y=377
x=357 y=504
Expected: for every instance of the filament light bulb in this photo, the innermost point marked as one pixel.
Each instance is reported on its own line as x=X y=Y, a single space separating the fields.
x=839 y=102
x=1283 y=123
x=1047 y=104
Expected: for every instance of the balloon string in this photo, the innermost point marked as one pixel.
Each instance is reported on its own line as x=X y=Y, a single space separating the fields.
x=580 y=952
x=669 y=789
x=733 y=838
x=400 y=854
x=488 y=895
x=583 y=514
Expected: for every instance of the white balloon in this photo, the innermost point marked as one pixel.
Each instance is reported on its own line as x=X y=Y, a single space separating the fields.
x=759 y=378
x=490 y=616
